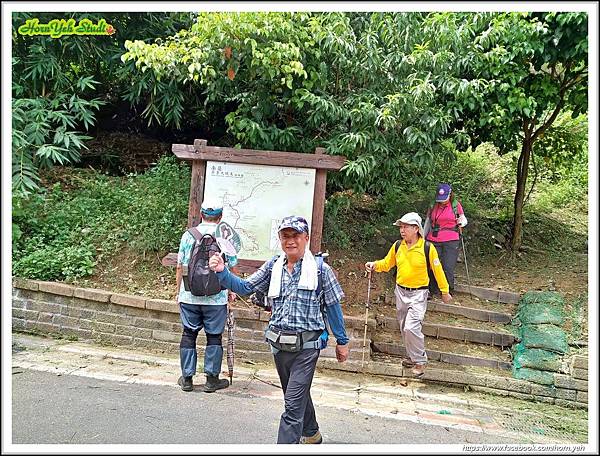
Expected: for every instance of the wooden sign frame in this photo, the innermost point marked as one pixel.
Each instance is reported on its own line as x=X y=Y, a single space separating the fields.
x=199 y=153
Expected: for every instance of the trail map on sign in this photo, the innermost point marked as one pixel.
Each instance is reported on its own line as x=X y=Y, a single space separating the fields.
x=256 y=198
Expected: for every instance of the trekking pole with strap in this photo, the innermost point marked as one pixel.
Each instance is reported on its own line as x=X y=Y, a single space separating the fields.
x=366 y=320
x=465 y=257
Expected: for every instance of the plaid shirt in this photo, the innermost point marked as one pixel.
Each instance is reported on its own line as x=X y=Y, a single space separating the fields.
x=293 y=309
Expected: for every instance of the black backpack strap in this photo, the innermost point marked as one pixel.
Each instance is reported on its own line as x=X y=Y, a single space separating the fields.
x=320 y=260
x=396 y=247
x=197 y=235
x=427 y=248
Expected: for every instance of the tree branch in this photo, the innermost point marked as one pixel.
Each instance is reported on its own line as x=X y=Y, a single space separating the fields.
x=566 y=85
x=551 y=119
x=535 y=175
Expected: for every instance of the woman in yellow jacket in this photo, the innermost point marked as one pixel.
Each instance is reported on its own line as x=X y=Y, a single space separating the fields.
x=412 y=282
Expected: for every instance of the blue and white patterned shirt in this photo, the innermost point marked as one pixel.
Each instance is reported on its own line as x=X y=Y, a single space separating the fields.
x=183 y=258
x=294 y=309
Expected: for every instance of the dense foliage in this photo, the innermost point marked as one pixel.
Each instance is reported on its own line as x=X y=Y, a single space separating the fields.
x=286 y=81
x=59 y=85
x=64 y=232
x=393 y=92
x=398 y=94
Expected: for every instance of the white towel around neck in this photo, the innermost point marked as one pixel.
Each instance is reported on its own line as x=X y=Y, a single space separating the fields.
x=309 y=279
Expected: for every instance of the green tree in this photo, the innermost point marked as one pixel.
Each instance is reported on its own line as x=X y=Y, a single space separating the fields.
x=393 y=92
x=59 y=84
x=535 y=67
x=363 y=85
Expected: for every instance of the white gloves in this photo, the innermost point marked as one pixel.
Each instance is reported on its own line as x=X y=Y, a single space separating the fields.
x=462 y=220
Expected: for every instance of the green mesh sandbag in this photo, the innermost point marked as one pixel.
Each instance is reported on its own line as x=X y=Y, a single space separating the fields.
x=533 y=375
x=550 y=298
x=544 y=307
x=535 y=358
x=548 y=337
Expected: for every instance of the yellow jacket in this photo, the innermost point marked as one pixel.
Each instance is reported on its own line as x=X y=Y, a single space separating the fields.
x=411 y=267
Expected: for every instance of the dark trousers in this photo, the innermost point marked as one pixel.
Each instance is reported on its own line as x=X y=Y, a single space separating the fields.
x=296 y=371
x=448 y=253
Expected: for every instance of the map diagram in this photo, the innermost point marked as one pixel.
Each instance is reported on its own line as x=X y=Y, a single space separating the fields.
x=255 y=199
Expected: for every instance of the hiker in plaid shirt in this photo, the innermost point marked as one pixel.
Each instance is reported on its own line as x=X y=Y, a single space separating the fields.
x=296 y=329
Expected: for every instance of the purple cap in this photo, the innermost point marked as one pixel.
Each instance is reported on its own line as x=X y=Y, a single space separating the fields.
x=443 y=193
x=293 y=221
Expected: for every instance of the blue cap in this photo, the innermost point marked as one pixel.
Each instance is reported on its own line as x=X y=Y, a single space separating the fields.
x=443 y=193
x=293 y=221
x=211 y=207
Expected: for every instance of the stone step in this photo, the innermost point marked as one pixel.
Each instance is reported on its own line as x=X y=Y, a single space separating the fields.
x=490 y=294
x=469 y=312
x=485 y=380
x=443 y=318
x=472 y=301
x=442 y=357
x=451 y=346
x=454 y=332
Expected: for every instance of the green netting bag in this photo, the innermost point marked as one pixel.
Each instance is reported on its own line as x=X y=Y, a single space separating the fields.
x=548 y=337
x=533 y=375
x=545 y=307
x=535 y=358
x=550 y=298
x=541 y=313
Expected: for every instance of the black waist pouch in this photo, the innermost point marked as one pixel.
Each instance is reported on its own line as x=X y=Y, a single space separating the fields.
x=288 y=341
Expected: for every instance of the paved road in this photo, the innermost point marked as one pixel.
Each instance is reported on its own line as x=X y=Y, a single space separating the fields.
x=70 y=392
x=74 y=409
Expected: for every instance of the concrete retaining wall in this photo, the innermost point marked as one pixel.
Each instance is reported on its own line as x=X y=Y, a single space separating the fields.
x=153 y=324
x=126 y=320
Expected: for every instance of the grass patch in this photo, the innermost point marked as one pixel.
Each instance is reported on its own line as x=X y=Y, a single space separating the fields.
x=84 y=218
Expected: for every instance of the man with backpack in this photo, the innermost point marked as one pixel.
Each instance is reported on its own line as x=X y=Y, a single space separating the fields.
x=412 y=256
x=301 y=288
x=202 y=302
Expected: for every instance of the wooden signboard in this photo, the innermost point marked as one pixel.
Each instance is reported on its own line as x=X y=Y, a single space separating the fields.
x=200 y=153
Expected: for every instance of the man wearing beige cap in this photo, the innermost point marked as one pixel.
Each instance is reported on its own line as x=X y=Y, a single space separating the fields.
x=412 y=281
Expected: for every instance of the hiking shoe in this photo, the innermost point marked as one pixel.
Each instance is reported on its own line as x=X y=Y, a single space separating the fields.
x=418 y=370
x=408 y=362
x=213 y=383
x=186 y=383
x=317 y=438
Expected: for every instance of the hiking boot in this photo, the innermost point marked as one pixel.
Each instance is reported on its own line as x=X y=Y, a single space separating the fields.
x=418 y=370
x=408 y=362
x=317 y=438
x=186 y=383
x=213 y=383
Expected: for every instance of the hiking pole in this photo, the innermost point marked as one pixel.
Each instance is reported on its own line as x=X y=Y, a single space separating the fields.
x=462 y=240
x=366 y=321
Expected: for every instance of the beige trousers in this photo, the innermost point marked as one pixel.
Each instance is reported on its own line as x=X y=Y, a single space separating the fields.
x=410 y=311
